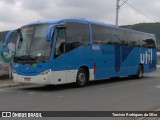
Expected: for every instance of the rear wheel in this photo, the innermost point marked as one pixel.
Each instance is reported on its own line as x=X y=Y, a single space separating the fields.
x=82 y=78
x=139 y=72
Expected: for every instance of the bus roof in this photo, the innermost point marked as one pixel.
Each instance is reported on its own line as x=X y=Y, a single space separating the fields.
x=57 y=21
x=82 y=20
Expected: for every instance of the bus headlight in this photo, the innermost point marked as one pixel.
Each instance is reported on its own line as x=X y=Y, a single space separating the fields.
x=45 y=72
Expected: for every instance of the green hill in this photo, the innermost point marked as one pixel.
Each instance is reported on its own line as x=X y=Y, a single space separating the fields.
x=153 y=28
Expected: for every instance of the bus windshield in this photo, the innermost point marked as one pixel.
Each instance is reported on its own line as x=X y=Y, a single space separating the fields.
x=32 y=44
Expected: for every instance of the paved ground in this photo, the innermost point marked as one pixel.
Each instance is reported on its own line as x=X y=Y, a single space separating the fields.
x=124 y=94
x=6 y=82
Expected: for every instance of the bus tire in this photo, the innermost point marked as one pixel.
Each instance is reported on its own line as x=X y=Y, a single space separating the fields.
x=139 y=72
x=82 y=78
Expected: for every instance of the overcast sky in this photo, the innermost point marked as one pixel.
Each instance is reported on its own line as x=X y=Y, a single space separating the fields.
x=15 y=13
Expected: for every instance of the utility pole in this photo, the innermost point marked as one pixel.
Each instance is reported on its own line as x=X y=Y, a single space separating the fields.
x=117 y=11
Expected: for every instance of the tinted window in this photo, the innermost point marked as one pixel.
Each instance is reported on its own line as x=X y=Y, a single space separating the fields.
x=101 y=34
x=140 y=39
x=134 y=39
x=76 y=34
x=149 y=42
x=119 y=37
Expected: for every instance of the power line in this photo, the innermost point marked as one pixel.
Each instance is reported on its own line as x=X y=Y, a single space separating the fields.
x=125 y=2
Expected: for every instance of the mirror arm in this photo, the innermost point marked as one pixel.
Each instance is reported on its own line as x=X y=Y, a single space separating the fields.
x=48 y=35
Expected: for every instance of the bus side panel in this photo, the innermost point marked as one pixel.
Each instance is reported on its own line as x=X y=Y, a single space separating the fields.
x=102 y=56
x=129 y=61
x=115 y=61
x=148 y=58
x=71 y=61
x=126 y=60
x=133 y=56
x=112 y=61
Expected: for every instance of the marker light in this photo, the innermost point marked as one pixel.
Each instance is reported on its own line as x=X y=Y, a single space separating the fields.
x=45 y=72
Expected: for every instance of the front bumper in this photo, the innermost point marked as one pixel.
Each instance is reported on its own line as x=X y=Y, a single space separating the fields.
x=38 y=79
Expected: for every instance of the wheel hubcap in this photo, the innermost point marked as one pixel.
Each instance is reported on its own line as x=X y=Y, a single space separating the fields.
x=140 y=72
x=81 y=78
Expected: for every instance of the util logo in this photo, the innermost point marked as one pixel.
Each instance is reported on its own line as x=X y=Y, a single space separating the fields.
x=146 y=58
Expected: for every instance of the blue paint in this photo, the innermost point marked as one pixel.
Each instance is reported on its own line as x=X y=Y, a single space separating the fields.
x=117 y=58
x=110 y=60
x=126 y=50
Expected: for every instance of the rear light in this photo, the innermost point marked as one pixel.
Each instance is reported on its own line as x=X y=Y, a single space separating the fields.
x=94 y=68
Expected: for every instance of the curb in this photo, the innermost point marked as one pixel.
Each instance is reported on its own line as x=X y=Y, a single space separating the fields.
x=9 y=85
x=5 y=85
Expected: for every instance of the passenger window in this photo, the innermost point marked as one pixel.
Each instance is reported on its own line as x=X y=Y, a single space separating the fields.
x=60 y=43
x=76 y=34
x=101 y=34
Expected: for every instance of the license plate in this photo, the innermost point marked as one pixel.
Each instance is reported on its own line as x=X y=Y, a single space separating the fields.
x=27 y=79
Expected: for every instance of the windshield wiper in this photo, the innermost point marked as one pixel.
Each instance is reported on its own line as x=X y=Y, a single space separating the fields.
x=41 y=58
x=29 y=59
x=24 y=58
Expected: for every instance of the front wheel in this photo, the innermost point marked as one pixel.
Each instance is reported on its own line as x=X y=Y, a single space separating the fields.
x=82 y=78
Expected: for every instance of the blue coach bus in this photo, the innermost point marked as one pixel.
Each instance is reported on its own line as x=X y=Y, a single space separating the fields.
x=79 y=50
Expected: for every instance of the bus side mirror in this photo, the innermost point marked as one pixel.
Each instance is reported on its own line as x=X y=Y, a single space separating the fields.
x=9 y=35
x=49 y=33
